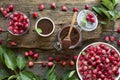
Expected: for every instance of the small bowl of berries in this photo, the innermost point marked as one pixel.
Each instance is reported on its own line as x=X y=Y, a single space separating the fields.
x=18 y=23
x=98 y=61
x=87 y=20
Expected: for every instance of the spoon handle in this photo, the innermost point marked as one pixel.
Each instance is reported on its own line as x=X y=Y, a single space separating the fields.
x=72 y=23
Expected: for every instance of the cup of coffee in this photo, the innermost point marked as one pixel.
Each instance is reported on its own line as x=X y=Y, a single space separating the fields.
x=44 y=26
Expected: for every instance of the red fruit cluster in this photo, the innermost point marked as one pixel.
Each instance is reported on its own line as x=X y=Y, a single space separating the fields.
x=90 y=17
x=99 y=62
x=18 y=23
x=7 y=10
x=32 y=54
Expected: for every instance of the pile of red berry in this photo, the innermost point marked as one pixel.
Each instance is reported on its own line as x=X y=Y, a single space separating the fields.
x=99 y=62
x=90 y=17
x=18 y=23
x=7 y=10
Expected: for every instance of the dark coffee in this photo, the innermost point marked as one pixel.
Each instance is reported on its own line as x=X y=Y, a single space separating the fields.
x=75 y=36
x=45 y=25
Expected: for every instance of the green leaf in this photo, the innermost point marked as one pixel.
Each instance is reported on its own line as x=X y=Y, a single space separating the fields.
x=2 y=51
x=39 y=30
x=12 y=77
x=51 y=74
x=69 y=75
x=84 y=21
x=10 y=59
x=3 y=74
x=117 y=15
x=103 y=22
x=115 y=2
x=105 y=12
x=21 y=62
x=27 y=75
x=108 y=4
x=96 y=9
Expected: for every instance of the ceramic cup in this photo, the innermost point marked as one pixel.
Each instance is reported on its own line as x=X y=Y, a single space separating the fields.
x=46 y=25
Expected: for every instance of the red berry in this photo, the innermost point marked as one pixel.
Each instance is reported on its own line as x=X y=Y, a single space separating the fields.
x=0 y=41
x=57 y=59
x=36 y=55
x=75 y=57
x=90 y=15
x=67 y=56
x=88 y=18
x=64 y=63
x=31 y=52
x=64 y=8
x=87 y=6
x=13 y=43
x=43 y=64
x=1 y=30
x=106 y=38
x=75 y=9
x=53 y=5
x=112 y=38
x=8 y=10
x=118 y=42
x=35 y=15
x=31 y=64
x=71 y=63
x=1 y=9
x=50 y=58
x=26 y=54
x=41 y=7
x=11 y=7
x=50 y=64
x=92 y=20
x=118 y=30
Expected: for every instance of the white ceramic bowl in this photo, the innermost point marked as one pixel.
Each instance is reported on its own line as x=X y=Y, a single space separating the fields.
x=90 y=26
x=96 y=43
x=45 y=35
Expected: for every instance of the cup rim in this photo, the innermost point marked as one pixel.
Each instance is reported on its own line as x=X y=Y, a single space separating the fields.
x=45 y=35
x=24 y=31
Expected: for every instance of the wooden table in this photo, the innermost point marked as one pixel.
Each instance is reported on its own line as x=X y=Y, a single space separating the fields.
x=44 y=46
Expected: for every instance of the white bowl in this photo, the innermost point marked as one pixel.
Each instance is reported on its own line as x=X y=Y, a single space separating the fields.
x=90 y=26
x=45 y=35
x=96 y=43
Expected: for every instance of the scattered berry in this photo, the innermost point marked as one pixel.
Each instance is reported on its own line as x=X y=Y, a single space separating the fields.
x=35 y=15
x=1 y=30
x=112 y=38
x=50 y=58
x=75 y=57
x=63 y=63
x=31 y=64
x=43 y=64
x=71 y=63
x=87 y=6
x=118 y=30
x=118 y=42
x=0 y=41
x=106 y=38
x=36 y=55
x=64 y=8
x=1 y=9
x=53 y=5
x=31 y=53
x=41 y=7
x=13 y=43
x=57 y=59
x=26 y=54
x=75 y=9
x=50 y=64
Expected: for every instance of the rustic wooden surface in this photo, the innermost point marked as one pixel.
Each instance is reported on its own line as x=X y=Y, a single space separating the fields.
x=44 y=46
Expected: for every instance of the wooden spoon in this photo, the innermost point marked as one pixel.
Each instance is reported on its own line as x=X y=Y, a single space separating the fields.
x=66 y=42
